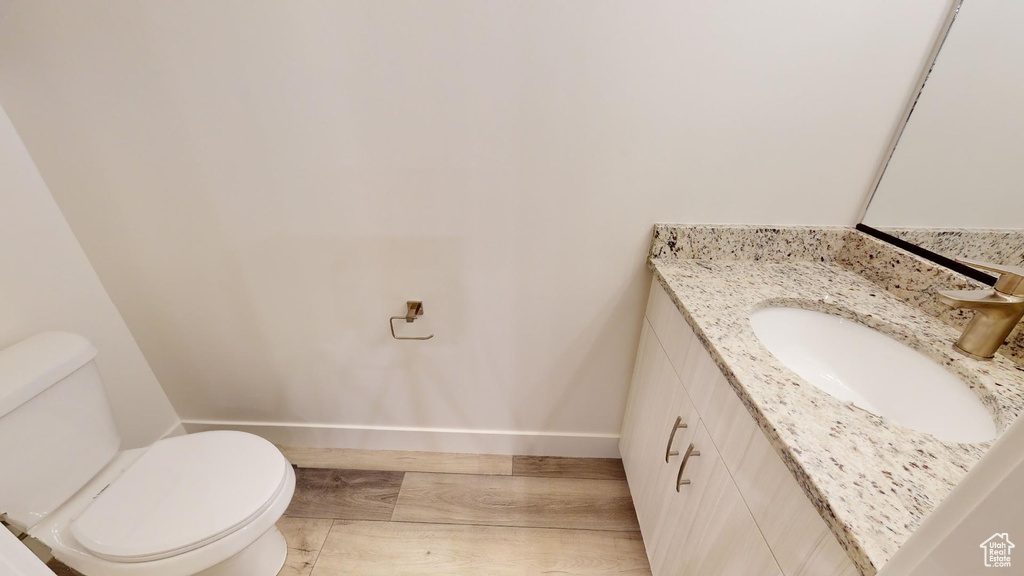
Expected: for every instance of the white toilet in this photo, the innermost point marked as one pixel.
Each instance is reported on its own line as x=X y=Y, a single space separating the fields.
x=199 y=504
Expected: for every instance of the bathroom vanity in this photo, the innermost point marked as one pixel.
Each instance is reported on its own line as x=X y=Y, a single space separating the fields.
x=698 y=516
x=735 y=463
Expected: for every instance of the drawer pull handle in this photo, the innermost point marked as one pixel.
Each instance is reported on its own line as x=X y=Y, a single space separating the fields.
x=669 y=452
x=680 y=481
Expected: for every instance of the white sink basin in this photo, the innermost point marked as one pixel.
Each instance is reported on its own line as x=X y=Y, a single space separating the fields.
x=875 y=372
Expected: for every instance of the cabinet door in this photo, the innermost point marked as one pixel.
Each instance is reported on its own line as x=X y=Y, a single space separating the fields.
x=639 y=424
x=681 y=504
x=678 y=503
x=639 y=397
x=656 y=401
x=679 y=425
x=723 y=538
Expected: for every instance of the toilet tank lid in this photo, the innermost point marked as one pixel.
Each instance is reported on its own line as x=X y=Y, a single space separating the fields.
x=36 y=363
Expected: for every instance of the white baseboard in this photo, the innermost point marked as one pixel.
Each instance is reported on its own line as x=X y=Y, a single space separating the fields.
x=422 y=439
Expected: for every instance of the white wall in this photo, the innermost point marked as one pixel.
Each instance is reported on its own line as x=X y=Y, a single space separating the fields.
x=262 y=184
x=46 y=283
x=958 y=164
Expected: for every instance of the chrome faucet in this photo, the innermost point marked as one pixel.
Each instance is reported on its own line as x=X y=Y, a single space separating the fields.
x=997 y=310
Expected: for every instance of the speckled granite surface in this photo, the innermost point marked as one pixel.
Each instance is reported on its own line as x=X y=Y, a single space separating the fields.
x=904 y=275
x=999 y=246
x=873 y=481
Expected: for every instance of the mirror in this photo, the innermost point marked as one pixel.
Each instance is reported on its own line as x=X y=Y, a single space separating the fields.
x=954 y=183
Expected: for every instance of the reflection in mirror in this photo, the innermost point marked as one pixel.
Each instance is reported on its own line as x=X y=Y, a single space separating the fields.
x=955 y=182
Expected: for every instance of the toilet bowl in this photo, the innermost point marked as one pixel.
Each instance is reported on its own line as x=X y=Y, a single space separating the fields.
x=202 y=504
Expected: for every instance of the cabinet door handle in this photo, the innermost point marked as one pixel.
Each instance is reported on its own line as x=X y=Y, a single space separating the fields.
x=668 y=449
x=680 y=481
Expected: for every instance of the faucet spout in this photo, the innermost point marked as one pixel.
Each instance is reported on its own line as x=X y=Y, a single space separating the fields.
x=997 y=311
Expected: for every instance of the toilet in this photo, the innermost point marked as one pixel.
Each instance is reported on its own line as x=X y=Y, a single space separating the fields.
x=201 y=504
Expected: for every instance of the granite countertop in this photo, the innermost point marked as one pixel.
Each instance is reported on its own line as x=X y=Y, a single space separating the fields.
x=872 y=480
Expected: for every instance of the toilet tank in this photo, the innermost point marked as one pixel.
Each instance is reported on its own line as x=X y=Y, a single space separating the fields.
x=56 y=428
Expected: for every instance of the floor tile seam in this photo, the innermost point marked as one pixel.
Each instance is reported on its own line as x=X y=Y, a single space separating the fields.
x=322 y=544
x=484 y=525
x=398 y=497
x=518 y=476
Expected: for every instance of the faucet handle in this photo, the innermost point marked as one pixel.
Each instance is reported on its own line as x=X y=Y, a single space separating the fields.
x=1011 y=278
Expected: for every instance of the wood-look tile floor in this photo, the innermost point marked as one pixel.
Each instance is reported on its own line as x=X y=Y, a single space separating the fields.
x=367 y=513
x=413 y=514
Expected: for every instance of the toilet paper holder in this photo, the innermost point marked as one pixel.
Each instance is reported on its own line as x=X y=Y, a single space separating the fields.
x=413 y=310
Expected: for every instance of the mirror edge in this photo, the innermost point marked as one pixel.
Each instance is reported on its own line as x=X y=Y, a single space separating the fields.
x=935 y=257
x=908 y=111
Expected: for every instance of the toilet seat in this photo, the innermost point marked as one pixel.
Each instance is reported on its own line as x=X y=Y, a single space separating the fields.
x=182 y=494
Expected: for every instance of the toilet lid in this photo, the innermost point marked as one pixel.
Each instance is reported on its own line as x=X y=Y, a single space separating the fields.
x=181 y=494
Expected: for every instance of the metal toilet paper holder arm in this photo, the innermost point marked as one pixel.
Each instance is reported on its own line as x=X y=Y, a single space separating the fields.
x=414 y=309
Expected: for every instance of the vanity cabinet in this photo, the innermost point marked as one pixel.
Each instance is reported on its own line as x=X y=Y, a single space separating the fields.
x=741 y=511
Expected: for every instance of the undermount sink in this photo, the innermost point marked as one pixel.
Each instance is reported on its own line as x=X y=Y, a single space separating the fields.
x=875 y=372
